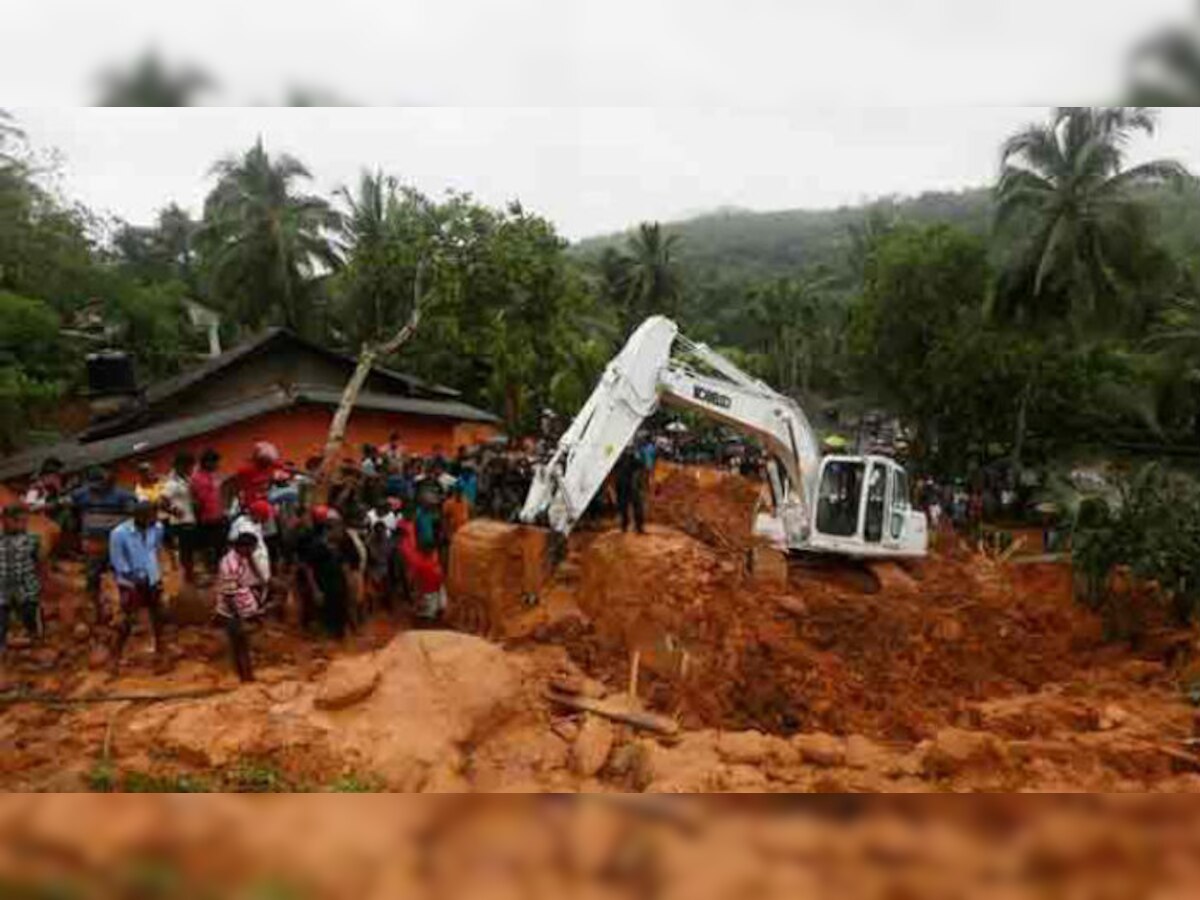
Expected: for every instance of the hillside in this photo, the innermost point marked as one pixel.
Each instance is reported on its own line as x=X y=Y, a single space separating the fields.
x=740 y=244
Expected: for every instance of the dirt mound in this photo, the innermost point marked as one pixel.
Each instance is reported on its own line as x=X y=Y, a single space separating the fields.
x=403 y=715
x=818 y=655
x=711 y=505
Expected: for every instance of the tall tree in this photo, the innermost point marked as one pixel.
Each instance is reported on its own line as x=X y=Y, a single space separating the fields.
x=265 y=241
x=798 y=322
x=1165 y=69
x=151 y=82
x=386 y=231
x=1072 y=210
x=655 y=284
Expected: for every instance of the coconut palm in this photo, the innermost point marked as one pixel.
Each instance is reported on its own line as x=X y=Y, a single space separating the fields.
x=1166 y=68
x=654 y=283
x=265 y=241
x=1073 y=209
x=151 y=82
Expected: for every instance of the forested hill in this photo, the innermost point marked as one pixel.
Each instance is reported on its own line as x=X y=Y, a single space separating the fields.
x=735 y=245
x=744 y=245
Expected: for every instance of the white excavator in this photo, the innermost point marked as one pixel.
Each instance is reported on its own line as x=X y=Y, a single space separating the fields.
x=850 y=506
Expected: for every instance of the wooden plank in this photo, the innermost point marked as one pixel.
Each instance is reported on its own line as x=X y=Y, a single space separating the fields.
x=637 y=718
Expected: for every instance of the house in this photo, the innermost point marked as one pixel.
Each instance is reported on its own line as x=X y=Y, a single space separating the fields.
x=276 y=387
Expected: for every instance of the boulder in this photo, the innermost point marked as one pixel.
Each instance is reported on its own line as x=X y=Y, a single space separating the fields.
x=820 y=749
x=747 y=747
x=954 y=751
x=348 y=681
x=592 y=746
x=403 y=715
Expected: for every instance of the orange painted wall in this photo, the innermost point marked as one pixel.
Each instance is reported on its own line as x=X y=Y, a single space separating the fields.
x=300 y=432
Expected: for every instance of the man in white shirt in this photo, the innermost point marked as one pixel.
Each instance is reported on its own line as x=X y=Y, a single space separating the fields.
x=180 y=509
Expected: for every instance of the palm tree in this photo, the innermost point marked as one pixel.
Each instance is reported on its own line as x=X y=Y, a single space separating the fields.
x=793 y=317
x=265 y=242
x=654 y=284
x=1074 y=209
x=151 y=82
x=1166 y=68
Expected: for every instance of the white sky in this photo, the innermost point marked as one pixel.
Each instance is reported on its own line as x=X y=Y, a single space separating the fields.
x=597 y=113
x=589 y=170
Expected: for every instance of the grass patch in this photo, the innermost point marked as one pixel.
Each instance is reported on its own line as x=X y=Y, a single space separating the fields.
x=358 y=784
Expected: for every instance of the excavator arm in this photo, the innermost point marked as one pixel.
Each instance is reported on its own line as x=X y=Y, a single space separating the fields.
x=645 y=374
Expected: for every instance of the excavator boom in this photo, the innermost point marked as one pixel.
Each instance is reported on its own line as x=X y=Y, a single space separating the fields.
x=645 y=374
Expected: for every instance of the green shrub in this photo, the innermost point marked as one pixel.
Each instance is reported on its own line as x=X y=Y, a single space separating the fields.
x=1152 y=529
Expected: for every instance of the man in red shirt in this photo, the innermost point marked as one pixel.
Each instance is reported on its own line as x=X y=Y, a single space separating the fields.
x=254 y=479
x=210 y=514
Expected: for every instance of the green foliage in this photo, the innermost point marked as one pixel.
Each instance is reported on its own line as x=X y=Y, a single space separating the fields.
x=152 y=82
x=141 y=783
x=798 y=326
x=922 y=290
x=102 y=778
x=256 y=778
x=1074 y=216
x=33 y=365
x=357 y=784
x=1152 y=529
x=266 y=244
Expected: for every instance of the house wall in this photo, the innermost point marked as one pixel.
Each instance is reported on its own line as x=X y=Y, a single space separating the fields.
x=300 y=432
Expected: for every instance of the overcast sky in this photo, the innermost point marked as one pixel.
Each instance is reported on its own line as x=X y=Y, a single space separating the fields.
x=589 y=170
x=597 y=113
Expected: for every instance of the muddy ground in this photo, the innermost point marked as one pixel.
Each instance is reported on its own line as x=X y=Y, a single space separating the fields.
x=964 y=673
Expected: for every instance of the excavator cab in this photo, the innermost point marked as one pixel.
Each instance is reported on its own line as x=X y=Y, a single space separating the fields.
x=864 y=509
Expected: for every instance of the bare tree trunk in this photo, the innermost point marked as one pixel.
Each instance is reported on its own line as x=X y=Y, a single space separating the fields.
x=366 y=362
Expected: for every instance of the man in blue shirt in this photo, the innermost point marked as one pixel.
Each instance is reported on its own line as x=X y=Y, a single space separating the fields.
x=100 y=506
x=133 y=549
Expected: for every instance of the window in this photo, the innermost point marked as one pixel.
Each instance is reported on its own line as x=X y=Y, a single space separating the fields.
x=900 y=503
x=876 y=498
x=838 y=499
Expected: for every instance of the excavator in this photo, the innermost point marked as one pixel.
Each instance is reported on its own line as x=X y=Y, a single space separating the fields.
x=855 y=507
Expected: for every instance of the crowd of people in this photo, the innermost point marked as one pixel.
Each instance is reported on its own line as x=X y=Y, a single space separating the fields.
x=266 y=538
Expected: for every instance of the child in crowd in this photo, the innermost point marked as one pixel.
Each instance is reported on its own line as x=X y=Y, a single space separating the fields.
x=239 y=600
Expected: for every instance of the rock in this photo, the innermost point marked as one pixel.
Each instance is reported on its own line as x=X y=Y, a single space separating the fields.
x=592 y=746
x=955 y=751
x=748 y=747
x=348 y=681
x=863 y=753
x=81 y=632
x=820 y=749
x=434 y=694
x=1113 y=717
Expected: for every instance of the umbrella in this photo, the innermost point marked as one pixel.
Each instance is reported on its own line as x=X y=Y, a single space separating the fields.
x=836 y=442
x=677 y=428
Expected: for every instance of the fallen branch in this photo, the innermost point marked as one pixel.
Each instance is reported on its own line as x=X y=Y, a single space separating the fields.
x=637 y=718
x=18 y=697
